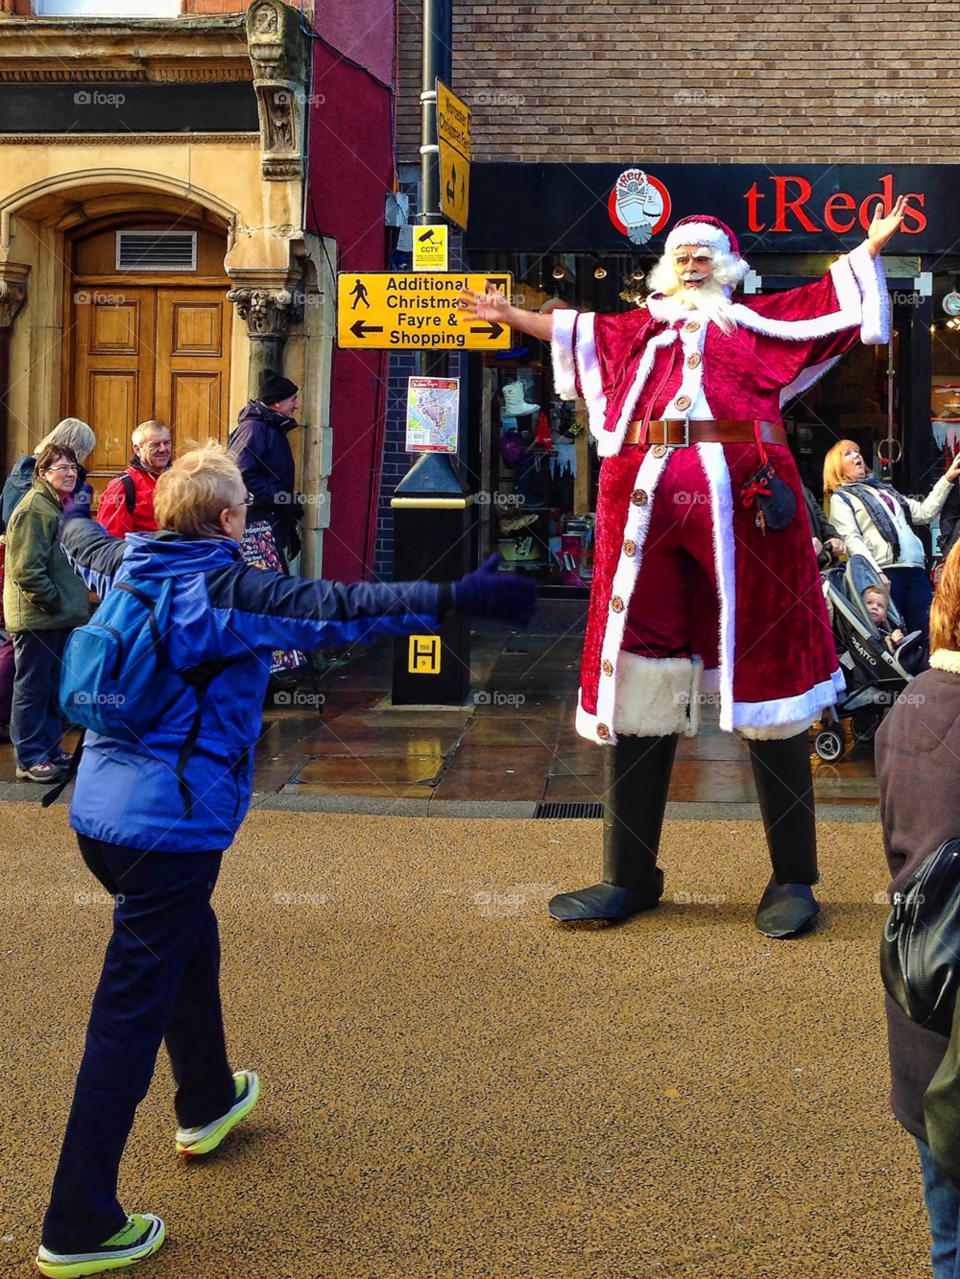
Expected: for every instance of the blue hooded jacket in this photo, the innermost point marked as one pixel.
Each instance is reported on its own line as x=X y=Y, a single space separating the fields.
x=222 y=610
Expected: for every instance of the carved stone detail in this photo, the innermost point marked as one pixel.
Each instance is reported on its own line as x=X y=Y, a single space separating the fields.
x=278 y=58
x=13 y=291
x=268 y=312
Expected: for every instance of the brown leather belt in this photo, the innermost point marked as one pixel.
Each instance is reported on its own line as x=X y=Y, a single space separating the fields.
x=677 y=432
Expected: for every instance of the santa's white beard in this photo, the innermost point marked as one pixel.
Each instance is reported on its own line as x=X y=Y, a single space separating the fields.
x=708 y=297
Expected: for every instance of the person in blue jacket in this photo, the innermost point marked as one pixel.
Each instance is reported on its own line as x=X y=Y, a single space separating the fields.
x=159 y=856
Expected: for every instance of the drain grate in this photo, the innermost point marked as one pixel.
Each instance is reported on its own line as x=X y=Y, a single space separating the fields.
x=553 y=809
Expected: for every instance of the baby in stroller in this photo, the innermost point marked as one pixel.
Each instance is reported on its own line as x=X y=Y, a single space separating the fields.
x=878 y=660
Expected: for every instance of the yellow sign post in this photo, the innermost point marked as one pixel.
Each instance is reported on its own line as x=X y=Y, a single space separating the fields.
x=430 y=248
x=423 y=655
x=453 y=135
x=407 y=311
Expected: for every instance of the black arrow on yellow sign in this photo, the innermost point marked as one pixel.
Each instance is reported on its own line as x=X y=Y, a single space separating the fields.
x=492 y=329
x=360 y=330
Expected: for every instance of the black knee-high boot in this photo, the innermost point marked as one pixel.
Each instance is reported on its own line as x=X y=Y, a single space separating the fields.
x=781 y=770
x=637 y=776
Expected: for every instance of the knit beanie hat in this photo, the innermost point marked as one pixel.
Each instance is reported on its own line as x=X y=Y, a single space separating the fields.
x=273 y=387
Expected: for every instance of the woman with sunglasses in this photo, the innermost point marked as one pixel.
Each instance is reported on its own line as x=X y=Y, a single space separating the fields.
x=43 y=600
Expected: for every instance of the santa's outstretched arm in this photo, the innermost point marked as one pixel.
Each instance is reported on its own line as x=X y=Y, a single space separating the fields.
x=492 y=305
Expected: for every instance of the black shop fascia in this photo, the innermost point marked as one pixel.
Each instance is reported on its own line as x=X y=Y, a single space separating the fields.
x=588 y=235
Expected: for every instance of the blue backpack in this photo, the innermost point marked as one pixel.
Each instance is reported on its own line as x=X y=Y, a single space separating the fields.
x=115 y=678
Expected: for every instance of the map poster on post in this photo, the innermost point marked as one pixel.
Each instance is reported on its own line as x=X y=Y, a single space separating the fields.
x=433 y=413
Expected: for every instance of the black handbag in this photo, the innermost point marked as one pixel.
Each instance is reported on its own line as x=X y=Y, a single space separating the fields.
x=920 y=949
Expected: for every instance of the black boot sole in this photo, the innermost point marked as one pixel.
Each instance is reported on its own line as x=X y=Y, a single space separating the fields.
x=786 y=910
x=606 y=902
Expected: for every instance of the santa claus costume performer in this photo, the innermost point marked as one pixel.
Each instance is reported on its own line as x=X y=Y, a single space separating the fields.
x=693 y=590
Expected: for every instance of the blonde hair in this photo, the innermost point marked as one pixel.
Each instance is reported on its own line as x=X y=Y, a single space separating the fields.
x=198 y=486
x=945 y=609
x=833 y=475
x=72 y=433
x=876 y=590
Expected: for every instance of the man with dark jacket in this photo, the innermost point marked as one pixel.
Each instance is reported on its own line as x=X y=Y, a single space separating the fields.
x=126 y=504
x=262 y=451
x=825 y=536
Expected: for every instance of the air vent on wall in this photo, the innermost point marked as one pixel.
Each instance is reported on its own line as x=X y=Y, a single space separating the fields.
x=156 y=250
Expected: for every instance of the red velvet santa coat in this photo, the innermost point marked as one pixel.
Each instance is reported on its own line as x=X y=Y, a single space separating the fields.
x=782 y=344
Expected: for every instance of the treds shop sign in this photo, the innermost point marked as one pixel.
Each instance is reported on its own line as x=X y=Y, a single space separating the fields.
x=798 y=208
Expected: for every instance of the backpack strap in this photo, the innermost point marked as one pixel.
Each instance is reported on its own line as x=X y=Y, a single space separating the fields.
x=150 y=605
x=130 y=491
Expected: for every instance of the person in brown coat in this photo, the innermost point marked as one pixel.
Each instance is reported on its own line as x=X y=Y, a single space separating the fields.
x=918 y=754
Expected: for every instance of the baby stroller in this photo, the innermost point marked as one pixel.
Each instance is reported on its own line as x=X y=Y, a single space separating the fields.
x=875 y=677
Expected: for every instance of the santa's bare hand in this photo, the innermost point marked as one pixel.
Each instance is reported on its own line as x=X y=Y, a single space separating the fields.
x=882 y=229
x=490 y=305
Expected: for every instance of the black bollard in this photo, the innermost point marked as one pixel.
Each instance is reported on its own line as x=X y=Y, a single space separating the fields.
x=431 y=538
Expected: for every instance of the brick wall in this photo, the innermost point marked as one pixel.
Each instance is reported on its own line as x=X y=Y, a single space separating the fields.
x=591 y=80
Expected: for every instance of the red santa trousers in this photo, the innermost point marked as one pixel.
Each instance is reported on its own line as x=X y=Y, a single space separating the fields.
x=765 y=626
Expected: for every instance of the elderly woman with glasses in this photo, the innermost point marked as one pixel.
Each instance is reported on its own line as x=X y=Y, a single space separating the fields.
x=43 y=600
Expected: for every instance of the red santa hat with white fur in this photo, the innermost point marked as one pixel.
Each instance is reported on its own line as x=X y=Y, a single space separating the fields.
x=701 y=229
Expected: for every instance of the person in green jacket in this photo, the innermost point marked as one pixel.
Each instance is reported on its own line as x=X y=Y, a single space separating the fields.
x=43 y=600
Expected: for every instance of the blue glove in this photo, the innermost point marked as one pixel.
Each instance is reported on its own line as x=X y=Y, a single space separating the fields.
x=77 y=505
x=487 y=593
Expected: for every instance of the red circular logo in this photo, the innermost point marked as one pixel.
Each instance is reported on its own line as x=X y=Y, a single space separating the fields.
x=638 y=203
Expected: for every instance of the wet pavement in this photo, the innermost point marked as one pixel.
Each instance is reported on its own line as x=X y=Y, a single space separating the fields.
x=511 y=750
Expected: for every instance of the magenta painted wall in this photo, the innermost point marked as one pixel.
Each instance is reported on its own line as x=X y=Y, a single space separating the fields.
x=350 y=173
x=362 y=30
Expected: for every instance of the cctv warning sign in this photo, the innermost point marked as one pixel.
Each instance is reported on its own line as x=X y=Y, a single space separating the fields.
x=409 y=310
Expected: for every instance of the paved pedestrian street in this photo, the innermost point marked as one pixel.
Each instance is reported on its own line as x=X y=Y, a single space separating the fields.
x=454 y=1087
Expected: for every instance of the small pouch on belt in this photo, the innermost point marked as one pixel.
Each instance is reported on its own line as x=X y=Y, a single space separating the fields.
x=775 y=502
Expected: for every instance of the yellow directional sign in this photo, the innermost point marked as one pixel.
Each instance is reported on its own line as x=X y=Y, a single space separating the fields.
x=408 y=310
x=453 y=134
x=429 y=248
x=454 y=184
x=453 y=121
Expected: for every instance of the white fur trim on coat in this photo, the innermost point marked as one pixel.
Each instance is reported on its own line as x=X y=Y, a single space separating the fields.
x=788 y=710
x=561 y=350
x=875 y=304
x=945 y=659
x=624 y=580
x=657 y=696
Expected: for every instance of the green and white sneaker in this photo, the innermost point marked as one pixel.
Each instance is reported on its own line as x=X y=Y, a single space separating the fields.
x=200 y=1141
x=140 y=1237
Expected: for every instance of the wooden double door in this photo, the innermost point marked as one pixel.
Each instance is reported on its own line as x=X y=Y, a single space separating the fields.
x=149 y=351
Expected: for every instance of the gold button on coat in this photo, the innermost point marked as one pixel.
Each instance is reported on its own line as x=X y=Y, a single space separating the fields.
x=683 y=402
x=607 y=667
x=638 y=497
x=691 y=326
x=658 y=450
x=630 y=548
x=693 y=360
x=603 y=732
x=617 y=604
